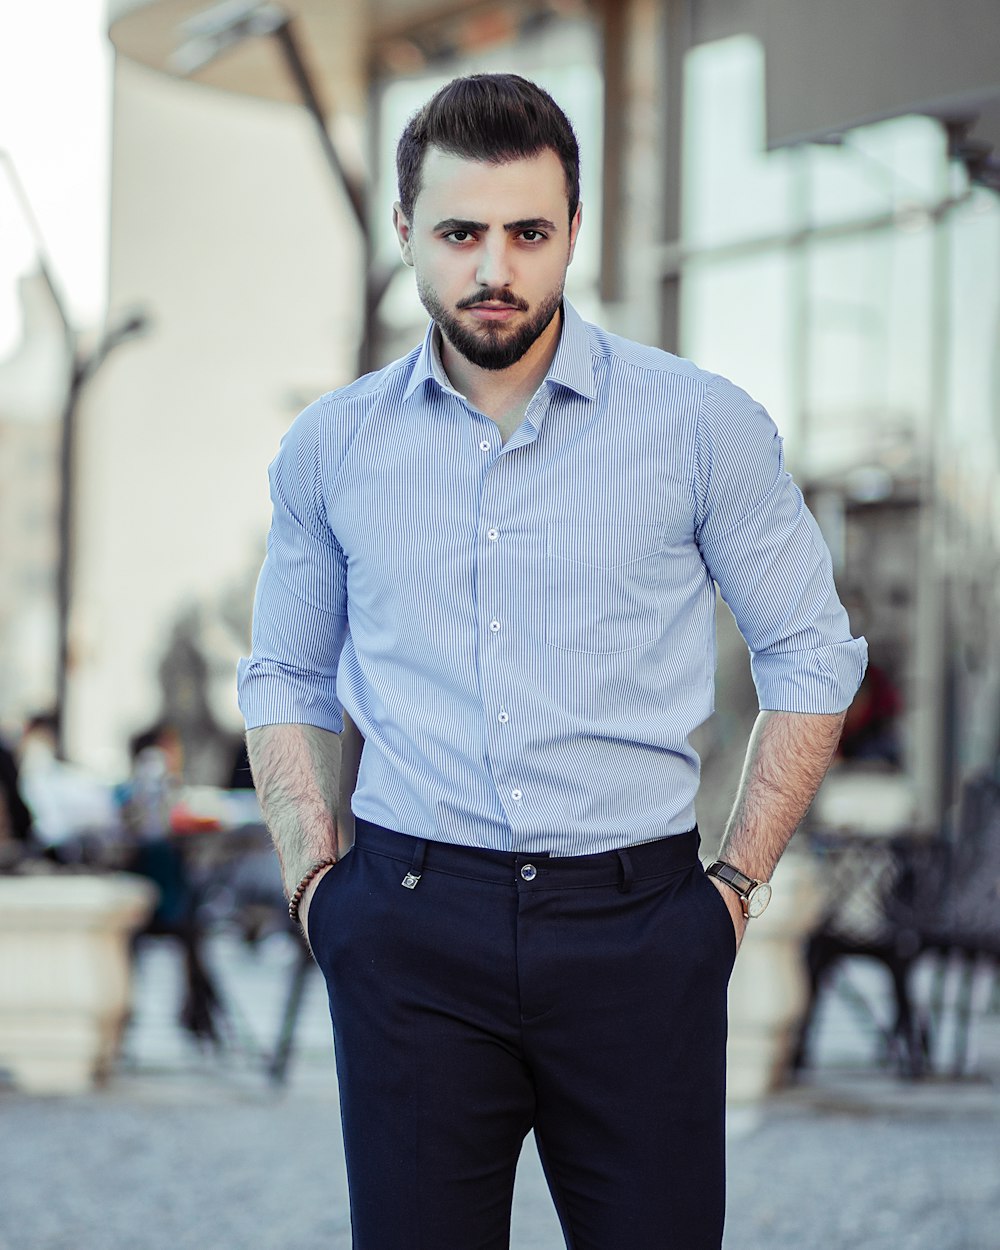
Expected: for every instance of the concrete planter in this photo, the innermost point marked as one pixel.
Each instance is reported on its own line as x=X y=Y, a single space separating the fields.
x=768 y=990
x=64 y=975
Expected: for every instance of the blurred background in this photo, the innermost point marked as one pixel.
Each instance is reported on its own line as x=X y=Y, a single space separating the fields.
x=195 y=241
x=804 y=200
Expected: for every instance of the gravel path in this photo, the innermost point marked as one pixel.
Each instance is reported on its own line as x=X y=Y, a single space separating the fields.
x=188 y=1151
x=167 y=1164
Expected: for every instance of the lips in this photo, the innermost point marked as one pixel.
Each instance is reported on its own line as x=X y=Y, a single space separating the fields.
x=493 y=312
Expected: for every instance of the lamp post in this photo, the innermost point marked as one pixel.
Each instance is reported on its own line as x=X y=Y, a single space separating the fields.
x=83 y=366
x=225 y=26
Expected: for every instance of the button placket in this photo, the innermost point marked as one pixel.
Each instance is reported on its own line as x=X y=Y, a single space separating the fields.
x=495 y=620
x=490 y=496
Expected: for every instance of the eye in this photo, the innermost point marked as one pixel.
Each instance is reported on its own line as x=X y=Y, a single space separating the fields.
x=533 y=236
x=458 y=236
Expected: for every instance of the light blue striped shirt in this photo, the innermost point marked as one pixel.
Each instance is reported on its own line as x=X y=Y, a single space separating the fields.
x=525 y=633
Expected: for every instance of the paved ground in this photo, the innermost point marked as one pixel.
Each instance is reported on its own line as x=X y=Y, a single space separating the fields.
x=188 y=1150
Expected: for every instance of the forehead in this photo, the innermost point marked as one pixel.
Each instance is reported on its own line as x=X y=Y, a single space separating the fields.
x=455 y=186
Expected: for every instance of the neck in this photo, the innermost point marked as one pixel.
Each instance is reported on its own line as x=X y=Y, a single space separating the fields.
x=503 y=394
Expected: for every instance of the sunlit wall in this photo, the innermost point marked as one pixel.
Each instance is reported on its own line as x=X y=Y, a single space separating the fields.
x=227 y=231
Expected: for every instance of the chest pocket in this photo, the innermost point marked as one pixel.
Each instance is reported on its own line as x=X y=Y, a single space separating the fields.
x=602 y=586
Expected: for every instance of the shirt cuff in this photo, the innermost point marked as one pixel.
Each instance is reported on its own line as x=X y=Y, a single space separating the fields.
x=822 y=681
x=275 y=694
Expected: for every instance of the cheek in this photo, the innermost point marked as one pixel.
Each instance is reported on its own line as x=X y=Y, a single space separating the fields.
x=448 y=274
x=549 y=278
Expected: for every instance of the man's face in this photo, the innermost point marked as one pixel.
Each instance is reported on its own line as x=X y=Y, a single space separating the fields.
x=490 y=245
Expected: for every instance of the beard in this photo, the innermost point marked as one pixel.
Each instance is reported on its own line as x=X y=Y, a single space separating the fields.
x=492 y=345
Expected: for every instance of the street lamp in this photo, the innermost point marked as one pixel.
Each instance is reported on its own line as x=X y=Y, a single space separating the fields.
x=214 y=32
x=82 y=367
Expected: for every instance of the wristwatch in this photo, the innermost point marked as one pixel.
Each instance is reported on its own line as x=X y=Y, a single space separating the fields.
x=754 y=895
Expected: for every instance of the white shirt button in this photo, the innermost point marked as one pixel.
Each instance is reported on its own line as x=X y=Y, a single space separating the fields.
x=495 y=626
x=503 y=718
x=484 y=445
x=516 y=795
x=492 y=535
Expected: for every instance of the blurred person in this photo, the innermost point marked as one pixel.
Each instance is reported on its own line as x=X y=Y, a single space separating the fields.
x=498 y=557
x=871 y=727
x=157 y=768
x=148 y=801
x=16 y=833
x=69 y=805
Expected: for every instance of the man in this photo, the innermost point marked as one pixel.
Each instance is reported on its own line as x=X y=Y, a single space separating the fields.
x=499 y=556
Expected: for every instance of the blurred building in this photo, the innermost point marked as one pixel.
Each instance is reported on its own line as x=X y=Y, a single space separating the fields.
x=800 y=195
x=839 y=254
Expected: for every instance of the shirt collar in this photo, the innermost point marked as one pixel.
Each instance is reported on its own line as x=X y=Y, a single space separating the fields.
x=571 y=366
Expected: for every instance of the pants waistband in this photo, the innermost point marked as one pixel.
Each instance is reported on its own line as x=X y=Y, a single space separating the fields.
x=619 y=867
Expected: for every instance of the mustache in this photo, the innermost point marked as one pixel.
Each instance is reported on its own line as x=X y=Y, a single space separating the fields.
x=486 y=296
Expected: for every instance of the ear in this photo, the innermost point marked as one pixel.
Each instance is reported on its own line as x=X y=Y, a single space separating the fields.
x=402 y=228
x=574 y=229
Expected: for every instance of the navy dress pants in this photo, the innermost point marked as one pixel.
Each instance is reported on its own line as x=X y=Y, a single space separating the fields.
x=476 y=995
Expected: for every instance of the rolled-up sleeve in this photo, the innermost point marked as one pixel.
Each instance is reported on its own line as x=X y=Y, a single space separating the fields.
x=765 y=552
x=300 y=608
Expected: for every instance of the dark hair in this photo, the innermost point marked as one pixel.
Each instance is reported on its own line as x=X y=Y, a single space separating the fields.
x=494 y=118
x=151 y=737
x=47 y=720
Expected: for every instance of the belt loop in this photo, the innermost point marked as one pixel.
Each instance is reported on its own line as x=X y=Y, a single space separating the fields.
x=625 y=871
x=416 y=865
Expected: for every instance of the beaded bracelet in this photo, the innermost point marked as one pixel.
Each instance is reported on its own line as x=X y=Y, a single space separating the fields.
x=296 y=899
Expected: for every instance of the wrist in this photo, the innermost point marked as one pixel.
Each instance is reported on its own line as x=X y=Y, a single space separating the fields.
x=753 y=895
x=306 y=887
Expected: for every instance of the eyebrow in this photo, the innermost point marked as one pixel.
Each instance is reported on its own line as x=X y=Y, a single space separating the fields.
x=478 y=227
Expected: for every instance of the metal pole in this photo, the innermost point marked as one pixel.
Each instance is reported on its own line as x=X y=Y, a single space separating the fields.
x=614 y=48
x=221 y=28
x=292 y=52
x=67 y=455
x=800 y=332
x=930 y=653
x=82 y=368
x=679 y=33
x=374 y=283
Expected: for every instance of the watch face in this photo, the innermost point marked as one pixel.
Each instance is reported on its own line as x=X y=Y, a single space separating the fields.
x=758 y=899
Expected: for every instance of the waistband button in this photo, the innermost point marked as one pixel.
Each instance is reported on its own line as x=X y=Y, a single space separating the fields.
x=529 y=872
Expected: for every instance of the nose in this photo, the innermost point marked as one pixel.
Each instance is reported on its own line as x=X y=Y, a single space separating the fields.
x=494 y=268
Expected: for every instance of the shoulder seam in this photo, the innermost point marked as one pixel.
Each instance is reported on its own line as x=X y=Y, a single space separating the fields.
x=368 y=384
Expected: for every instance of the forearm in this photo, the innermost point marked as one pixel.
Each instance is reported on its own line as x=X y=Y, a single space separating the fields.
x=787 y=758
x=297 y=773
